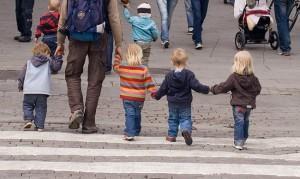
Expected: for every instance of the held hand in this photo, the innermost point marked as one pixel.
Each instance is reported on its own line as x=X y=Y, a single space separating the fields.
x=118 y=51
x=59 y=50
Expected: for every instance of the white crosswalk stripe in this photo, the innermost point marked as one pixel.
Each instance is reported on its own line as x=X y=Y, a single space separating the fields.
x=149 y=160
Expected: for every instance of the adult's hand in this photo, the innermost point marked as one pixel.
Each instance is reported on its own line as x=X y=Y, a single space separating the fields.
x=118 y=51
x=60 y=50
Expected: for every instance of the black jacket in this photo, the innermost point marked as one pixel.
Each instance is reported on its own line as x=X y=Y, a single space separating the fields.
x=244 y=89
x=178 y=87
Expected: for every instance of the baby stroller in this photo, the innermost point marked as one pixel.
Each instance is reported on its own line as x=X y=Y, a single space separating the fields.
x=258 y=34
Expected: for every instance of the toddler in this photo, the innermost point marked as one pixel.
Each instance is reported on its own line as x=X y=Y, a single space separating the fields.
x=135 y=81
x=244 y=87
x=48 y=26
x=144 y=30
x=178 y=85
x=35 y=81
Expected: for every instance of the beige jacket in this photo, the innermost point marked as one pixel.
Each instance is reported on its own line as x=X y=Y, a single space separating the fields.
x=113 y=16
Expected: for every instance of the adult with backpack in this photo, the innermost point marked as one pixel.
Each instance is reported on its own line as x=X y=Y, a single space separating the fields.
x=86 y=23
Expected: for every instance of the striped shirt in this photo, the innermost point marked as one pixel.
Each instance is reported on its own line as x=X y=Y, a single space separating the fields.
x=48 y=24
x=135 y=81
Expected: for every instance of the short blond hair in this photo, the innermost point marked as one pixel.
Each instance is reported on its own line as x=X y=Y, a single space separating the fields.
x=54 y=5
x=179 y=57
x=243 y=63
x=41 y=49
x=134 y=55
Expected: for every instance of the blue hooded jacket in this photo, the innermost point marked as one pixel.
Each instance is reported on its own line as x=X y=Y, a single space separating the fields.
x=143 y=28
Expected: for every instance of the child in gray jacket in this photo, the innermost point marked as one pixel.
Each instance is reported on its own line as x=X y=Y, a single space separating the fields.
x=35 y=82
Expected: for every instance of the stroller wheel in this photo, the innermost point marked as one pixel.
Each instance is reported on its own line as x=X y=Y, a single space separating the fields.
x=240 y=41
x=274 y=40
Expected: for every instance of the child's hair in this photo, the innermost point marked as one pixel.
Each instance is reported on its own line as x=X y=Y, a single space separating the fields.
x=41 y=49
x=54 y=5
x=179 y=57
x=134 y=55
x=242 y=63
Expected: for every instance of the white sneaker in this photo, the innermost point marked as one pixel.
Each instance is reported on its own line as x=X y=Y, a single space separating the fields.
x=198 y=46
x=190 y=31
x=128 y=138
x=165 y=44
x=238 y=147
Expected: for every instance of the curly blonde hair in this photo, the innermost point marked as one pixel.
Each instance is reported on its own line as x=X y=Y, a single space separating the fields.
x=41 y=49
x=179 y=57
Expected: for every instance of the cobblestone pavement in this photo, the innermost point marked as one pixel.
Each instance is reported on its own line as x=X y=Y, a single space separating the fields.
x=274 y=128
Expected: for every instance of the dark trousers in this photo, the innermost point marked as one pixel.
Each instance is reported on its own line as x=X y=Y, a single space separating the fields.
x=78 y=51
x=51 y=41
x=110 y=49
x=199 y=11
x=282 y=19
x=35 y=109
x=24 y=9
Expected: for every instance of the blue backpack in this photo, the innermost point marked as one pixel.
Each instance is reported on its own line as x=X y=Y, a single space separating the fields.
x=83 y=17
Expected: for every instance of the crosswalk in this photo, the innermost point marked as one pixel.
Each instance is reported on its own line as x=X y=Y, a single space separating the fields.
x=63 y=152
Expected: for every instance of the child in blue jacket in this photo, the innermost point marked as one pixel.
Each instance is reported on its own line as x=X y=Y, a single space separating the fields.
x=144 y=30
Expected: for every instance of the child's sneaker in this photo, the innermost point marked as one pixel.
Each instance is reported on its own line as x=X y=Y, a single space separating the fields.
x=27 y=125
x=239 y=147
x=187 y=137
x=171 y=139
x=128 y=138
x=38 y=129
x=198 y=46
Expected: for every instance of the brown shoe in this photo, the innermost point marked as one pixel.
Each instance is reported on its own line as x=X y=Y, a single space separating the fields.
x=75 y=119
x=187 y=137
x=171 y=139
x=91 y=130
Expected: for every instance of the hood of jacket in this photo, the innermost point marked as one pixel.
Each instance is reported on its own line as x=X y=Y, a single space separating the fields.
x=39 y=60
x=179 y=80
x=248 y=83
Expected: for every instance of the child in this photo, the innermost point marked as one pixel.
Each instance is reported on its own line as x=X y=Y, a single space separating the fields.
x=178 y=85
x=244 y=87
x=135 y=80
x=35 y=81
x=48 y=26
x=144 y=29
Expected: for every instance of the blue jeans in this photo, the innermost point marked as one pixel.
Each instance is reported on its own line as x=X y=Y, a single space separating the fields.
x=179 y=115
x=133 y=117
x=241 y=124
x=51 y=41
x=189 y=13
x=199 y=10
x=282 y=19
x=35 y=109
x=110 y=49
x=166 y=8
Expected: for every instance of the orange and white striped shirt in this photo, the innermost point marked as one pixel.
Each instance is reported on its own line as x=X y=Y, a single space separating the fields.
x=135 y=81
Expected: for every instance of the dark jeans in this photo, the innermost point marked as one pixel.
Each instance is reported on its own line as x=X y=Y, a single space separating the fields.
x=35 y=109
x=24 y=9
x=179 y=115
x=199 y=11
x=282 y=19
x=78 y=51
x=51 y=41
x=110 y=49
x=241 y=124
x=133 y=117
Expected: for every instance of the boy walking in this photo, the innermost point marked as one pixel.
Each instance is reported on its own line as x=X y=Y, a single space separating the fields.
x=35 y=82
x=178 y=86
x=144 y=30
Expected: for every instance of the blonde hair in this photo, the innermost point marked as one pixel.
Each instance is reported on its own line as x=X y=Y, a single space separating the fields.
x=41 y=49
x=242 y=63
x=54 y=5
x=179 y=57
x=134 y=55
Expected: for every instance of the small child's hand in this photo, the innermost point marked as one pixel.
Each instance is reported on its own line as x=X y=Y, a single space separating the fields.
x=153 y=95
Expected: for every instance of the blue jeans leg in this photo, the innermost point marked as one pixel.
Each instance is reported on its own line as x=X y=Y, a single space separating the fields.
x=199 y=10
x=132 y=117
x=281 y=14
x=51 y=41
x=241 y=124
x=173 y=120
x=28 y=107
x=189 y=13
x=185 y=118
x=40 y=110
